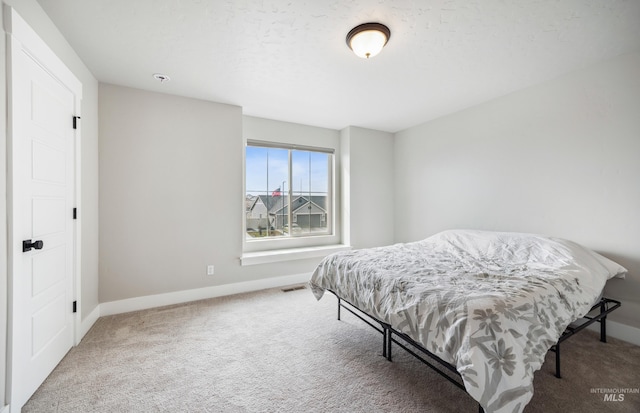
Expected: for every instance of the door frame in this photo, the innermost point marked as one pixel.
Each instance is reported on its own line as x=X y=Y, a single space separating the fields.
x=21 y=38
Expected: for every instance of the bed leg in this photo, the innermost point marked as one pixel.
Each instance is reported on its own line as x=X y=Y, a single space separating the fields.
x=384 y=341
x=603 y=324
x=558 y=361
x=338 y=308
x=388 y=338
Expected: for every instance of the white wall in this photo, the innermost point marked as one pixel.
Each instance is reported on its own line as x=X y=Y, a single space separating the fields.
x=3 y=222
x=171 y=193
x=368 y=180
x=561 y=158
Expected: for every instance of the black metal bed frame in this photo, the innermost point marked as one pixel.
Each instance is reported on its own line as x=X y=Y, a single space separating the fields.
x=605 y=305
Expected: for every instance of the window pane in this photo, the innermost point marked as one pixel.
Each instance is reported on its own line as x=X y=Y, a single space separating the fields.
x=267 y=170
x=310 y=177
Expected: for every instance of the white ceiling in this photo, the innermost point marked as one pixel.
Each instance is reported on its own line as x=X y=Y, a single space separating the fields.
x=288 y=60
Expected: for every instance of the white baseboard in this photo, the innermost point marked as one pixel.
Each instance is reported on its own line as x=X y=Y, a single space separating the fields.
x=88 y=322
x=177 y=297
x=620 y=331
x=6 y=409
x=614 y=329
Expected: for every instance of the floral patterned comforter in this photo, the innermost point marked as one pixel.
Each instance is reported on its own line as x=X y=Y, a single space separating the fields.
x=489 y=303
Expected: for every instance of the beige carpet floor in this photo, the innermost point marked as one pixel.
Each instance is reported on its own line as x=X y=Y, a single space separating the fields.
x=272 y=351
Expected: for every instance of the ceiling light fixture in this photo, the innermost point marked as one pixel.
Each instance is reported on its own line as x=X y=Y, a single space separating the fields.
x=368 y=39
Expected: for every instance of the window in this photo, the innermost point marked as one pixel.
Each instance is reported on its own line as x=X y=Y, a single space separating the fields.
x=288 y=191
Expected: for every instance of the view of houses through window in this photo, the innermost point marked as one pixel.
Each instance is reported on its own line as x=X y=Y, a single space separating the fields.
x=288 y=191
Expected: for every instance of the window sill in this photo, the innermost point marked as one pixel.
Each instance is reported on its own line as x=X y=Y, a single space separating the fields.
x=266 y=257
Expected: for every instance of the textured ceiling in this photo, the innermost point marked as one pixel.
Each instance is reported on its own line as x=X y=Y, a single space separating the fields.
x=287 y=60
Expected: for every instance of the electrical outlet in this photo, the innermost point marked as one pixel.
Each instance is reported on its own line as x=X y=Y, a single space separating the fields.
x=210 y=270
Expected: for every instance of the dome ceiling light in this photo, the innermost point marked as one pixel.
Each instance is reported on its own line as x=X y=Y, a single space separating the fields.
x=368 y=39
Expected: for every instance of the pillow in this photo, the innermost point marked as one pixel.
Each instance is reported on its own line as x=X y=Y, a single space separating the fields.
x=613 y=268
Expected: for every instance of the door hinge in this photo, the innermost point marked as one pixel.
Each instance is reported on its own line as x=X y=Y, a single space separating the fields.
x=75 y=119
x=75 y=213
x=75 y=306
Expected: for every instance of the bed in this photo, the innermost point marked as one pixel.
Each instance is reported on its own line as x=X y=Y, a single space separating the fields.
x=488 y=305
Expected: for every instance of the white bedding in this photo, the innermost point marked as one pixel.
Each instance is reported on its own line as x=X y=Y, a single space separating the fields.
x=489 y=303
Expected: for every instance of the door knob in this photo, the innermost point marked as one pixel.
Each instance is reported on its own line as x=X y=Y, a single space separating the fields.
x=27 y=245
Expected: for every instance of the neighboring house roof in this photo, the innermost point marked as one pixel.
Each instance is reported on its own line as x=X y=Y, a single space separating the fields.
x=280 y=204
x=319 y=200
x=272 y=202
x=301 y=202
x=249 y=202
x=309 y=208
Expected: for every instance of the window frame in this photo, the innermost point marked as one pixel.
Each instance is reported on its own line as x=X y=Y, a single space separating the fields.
x=332 y=237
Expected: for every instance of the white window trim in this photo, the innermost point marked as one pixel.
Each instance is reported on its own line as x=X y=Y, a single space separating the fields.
x=292 y=248
x=289 y=254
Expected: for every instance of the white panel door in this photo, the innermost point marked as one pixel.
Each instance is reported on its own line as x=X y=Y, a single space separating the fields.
x=43 y=190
